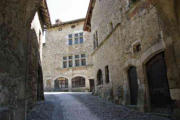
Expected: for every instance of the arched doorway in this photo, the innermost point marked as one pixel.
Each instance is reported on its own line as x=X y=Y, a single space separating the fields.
x=78 y=82
x=158 y=82
x=133 y=85
x=99 y=77
x=61 y=83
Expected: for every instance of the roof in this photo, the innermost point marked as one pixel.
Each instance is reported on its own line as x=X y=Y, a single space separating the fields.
x=68 y=22
x=44 y=13
x=87 y=24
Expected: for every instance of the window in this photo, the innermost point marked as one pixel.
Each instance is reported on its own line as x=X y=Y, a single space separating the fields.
x=81 y=38
x=94 y=41
x=95 y=38
x=64 y=62
x=99 y=77
x=107 y=74
x=61 y=83
x=70 y=61
x=83 y=59
x=77 y=61
x=97 y=44
x=70 y=39
x=76 y=39
x=78 y=82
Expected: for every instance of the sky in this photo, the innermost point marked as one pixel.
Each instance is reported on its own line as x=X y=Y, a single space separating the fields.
x=67 y=10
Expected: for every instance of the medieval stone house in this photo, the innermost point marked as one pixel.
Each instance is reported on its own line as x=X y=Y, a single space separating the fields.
x=21 y=33
x=133 y=63
x=67 y=62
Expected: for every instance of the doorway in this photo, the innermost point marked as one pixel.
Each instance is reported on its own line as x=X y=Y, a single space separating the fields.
x=92 y=85
x=133 y=85
x=158 y=82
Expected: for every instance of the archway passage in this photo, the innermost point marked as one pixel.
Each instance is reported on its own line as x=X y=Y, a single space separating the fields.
x=78 y=82
x=133 y=85
x=158 y=82
x=61 y=83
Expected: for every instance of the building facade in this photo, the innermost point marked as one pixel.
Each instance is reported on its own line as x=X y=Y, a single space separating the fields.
x=67 y=60
x=132 y=61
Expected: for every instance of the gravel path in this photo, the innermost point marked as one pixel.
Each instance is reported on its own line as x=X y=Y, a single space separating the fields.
x=83 y=106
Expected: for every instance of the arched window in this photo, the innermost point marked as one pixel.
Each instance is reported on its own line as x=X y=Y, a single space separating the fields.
x=99 y=77
x=78 y=82
x=61 y=83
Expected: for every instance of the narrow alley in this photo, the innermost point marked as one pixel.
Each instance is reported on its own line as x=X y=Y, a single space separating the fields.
x=84 y=106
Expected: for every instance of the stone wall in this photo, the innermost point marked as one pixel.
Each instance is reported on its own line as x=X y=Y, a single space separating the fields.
x=121 y=26
x=56 y=47
x=16 y=58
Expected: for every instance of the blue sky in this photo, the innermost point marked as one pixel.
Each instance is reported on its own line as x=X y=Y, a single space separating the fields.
x=67 y=10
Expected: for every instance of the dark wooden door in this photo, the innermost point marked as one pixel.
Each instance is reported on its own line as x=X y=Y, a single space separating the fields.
x=133 y=85
x=91 y=81
x=158 y=82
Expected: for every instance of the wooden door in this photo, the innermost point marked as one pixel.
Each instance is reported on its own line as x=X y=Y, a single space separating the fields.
x=158 y=82
x=133 y=85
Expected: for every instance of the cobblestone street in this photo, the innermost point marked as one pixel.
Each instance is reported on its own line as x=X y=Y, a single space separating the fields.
x=83 y=106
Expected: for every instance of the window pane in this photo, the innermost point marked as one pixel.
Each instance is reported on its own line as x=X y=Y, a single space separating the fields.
x=81 y=34
x=70 y=57
x=81 y=40
x=76 y=35
x=76 y=41
x=64 y=64
x=64 y=58
x=70 y=41
x=83 y=62
x=76 y=56
x=83 y=55
x=70 y=36
x=70 y=63
x=77 y=62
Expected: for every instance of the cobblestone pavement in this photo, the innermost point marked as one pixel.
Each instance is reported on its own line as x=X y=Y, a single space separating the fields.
x=84 y=106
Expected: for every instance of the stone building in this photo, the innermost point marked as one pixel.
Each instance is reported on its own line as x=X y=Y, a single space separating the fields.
x=135 y=56
x=21 y=32
x=67 y=60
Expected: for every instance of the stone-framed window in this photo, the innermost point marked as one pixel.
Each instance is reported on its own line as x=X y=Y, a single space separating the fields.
x=64 y=62
x=70 y=39
x=83 y=59
x=74 y=61
x=81 y=38
x=107 y=73
x=77 y=60
x=78 y=82
x=70 y=61
x=76 y=38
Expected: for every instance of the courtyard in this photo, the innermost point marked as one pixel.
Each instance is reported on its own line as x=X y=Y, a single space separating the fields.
x=84 y=106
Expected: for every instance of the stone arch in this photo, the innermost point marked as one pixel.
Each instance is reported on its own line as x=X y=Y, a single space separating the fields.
x=78 y=82
x=60 y=83
x=156 y=74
